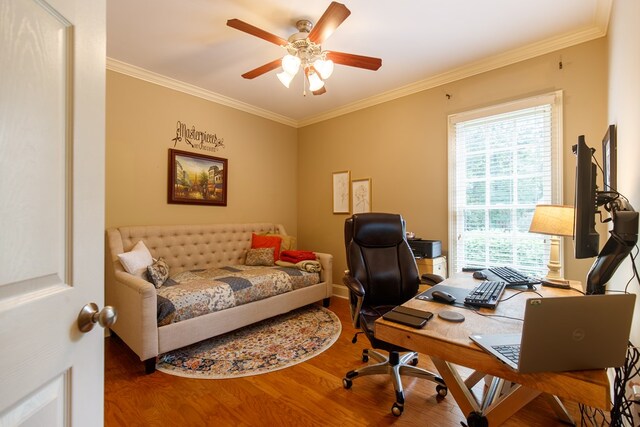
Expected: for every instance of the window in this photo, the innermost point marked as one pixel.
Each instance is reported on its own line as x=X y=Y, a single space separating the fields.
x=503 y=161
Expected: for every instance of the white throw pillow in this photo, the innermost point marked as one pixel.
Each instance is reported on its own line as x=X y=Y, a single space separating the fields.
x=137 y=260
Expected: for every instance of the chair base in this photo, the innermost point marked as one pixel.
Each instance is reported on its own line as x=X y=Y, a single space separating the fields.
x=395 y=365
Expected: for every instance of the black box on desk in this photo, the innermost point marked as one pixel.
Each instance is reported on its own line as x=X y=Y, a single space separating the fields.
x=425 y=248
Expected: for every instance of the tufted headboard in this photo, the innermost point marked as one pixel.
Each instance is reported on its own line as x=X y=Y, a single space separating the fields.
x=186 y=247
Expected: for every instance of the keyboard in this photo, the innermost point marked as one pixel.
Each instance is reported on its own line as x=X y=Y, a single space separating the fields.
x=486 y=294
x=513 y=277
x=511 y=352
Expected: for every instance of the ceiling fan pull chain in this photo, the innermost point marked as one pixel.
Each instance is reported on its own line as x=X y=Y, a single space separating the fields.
x=304 y=85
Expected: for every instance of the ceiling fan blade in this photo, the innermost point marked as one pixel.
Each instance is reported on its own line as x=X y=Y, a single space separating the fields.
x=320 y=91
x=263 y=69
x=255 y=31
x=335 y=14
x=351 y=60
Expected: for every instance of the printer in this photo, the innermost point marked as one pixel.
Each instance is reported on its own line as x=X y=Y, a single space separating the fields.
x=422 y=248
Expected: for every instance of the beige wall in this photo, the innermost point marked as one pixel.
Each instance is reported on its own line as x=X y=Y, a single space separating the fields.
x=280 y=174
x=141 y=122
x=402 y=145
x=624 y=110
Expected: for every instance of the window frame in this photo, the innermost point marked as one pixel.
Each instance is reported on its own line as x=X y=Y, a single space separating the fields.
x=555 y=99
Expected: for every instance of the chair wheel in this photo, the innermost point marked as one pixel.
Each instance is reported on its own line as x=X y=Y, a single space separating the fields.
x=442 y=390
x=397 y=409
x=414 y=362
x=347 y=383
x=476 y=420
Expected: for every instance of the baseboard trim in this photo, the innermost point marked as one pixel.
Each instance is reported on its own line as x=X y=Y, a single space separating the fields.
x=340 y=291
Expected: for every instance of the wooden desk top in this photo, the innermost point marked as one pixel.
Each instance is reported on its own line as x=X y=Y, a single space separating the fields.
x=450 y=341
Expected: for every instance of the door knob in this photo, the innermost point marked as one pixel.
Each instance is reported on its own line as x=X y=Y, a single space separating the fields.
x=89 y=316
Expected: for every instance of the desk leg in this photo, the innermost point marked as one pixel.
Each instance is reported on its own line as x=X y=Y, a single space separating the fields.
x=474 y=378
x=517 y=398
x=495 y=408
x=559 y=409
x=455 y=384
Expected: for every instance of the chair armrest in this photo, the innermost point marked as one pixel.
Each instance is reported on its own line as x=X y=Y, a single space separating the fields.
x=357 y=290
x=431 y=279
x=354 y=285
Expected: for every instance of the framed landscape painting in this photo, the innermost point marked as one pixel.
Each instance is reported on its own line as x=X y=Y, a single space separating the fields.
x=197 y=179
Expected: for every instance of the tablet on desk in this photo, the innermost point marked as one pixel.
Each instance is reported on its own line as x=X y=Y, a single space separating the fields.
x=408 y=316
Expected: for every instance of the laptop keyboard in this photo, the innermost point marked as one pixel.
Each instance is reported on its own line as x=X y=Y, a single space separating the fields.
x=513 y=276
x=486 y=294
x=511 y=352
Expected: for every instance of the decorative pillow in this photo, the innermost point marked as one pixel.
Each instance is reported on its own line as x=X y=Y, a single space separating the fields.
x=158 y=272
x=260 y=256
x=136 y=260
x=288 y=242
x=258 y=241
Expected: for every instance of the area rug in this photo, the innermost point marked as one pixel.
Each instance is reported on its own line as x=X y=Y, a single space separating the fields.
x=266 y=346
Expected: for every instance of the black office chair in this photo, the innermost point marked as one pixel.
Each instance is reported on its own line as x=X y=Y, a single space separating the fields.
x=382 y=274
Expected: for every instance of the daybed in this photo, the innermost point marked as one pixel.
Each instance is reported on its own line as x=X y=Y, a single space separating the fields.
x=186 y=248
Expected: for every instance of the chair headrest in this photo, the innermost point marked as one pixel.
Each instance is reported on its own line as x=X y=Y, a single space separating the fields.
x=377 y=229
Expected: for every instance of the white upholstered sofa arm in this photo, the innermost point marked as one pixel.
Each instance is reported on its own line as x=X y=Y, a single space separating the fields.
x=327 y=268
x=136 y=302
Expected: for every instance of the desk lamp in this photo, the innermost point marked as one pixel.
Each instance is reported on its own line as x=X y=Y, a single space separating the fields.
x=556 y=221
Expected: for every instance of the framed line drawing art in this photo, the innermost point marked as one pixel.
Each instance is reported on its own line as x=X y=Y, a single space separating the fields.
x=341 y=195
x=197 y=179
x=361 y=195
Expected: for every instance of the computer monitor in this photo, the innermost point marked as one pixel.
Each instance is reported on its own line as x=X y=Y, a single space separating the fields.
x=609 y=159
x=624 y=233
x=586 y=238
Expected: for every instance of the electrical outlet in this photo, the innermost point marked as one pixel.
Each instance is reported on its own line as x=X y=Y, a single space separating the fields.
x=636 y=392
x=635 y=407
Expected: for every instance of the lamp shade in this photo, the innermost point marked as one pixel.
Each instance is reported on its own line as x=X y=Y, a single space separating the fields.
x=324 y=68
x=555 y=220
x=315 y=82
x=285 y=78
x=291 y=64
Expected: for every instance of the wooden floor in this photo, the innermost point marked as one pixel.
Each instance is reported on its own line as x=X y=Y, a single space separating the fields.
x=308 y=394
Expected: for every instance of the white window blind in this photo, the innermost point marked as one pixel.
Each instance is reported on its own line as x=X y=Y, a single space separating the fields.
x=503 y=161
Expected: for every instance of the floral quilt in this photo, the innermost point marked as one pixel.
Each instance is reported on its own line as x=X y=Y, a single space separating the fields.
x=196 y=292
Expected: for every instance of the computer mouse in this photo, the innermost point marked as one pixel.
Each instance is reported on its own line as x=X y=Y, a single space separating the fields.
x=443 y=296
x=479 y=275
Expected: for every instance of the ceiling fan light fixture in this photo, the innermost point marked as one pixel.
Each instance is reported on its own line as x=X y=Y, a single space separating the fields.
x=285 y=78
x=291 y=64
x=304 y=50
x=315 y=82
x=324 y=68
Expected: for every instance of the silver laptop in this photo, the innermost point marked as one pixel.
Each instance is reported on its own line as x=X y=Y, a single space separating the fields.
x=566 y=334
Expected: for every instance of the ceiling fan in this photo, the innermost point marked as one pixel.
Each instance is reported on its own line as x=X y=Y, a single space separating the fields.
x=304 y=50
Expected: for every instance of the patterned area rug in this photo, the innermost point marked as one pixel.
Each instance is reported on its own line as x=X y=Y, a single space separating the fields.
x=263 y=347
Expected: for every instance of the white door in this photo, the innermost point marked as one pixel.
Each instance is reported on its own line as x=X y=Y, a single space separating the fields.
x=52 y=74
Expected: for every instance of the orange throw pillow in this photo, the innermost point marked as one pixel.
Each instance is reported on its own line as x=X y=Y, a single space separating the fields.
x=274 y=242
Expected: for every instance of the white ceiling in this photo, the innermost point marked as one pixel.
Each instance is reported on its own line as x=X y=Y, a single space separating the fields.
x=187 y=45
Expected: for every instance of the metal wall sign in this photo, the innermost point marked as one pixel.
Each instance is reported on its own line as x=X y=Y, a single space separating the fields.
x=195 y=138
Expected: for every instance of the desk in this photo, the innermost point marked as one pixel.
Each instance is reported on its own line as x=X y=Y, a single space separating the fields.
x=448 y=344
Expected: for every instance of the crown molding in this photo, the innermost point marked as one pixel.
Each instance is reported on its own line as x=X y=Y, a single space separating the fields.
x=597 y=30
x=517 y=55
x=169 y=83
x=603 y=15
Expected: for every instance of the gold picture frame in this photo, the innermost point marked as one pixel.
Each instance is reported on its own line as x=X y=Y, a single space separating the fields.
x=341 y=192
x=361 y=195
x=197 y=179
